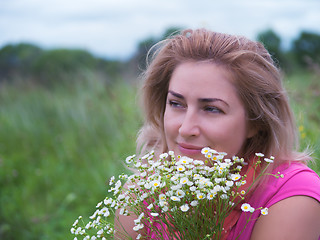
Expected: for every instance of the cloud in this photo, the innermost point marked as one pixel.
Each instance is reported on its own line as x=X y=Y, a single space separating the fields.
x=113 y=28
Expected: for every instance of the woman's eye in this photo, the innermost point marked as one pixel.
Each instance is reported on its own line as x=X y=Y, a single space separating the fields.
x=175 y=104
x=212 y=109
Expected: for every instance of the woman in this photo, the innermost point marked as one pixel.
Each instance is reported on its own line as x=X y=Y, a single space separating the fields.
x=207 y=89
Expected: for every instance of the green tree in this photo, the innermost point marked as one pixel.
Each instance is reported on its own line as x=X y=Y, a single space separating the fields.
x=171 y=31
x=143 y=49
x=62 y=65
x=307 y=48
x=17 y=60
x=138 y=61
x=272 y=43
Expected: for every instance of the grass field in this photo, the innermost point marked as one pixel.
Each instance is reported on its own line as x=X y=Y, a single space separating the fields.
x=304 y=93
x=58 y=147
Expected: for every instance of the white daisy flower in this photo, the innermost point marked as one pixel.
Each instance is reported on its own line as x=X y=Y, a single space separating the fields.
x=229 y=183
x=210 y=195
x=205 y=150
x=143 y=174
x=147 y=185
x=175 y=198
x=75 y=222
x=155 y=183
x=105 y=212
x=107 y=201
x=180 y=193
x=218 y=180
x=196 y=176
x=162 y=203
x=111 y=180
x=198 y=162
x=235 y=177
x=165 y=208
x=162 y=197
x=118 y=184
x=141 y=216
x=194 y=203
x=184 y=160
x=268 y=160
x=184 y=208
x=264 y=211
x=143 y=196
x=138 y=227
x=200 y=195
x=181 y=168
x=224 y=196
x=174 y=178
x=94 y=215
x=121 y=212
x=184 y=180
x=217 y=188
x=245 y=207
x=190 y=183
x=129 y=159
x=137 y=221
x=239 y=168
x=209 y=155
x=176 y=187
x=100 y=232
x=163 y=155
x=121 y=196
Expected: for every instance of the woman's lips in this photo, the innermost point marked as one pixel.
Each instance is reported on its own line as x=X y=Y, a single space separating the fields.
x=187 y=149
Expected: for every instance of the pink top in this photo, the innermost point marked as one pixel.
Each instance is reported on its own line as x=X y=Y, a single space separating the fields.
x=298 y=180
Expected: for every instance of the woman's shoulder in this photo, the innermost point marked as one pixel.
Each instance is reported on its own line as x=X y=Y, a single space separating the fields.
x=297 y=187
x=294 y=204
x=296 y=179
x=296 y=172
x=296 y=217
x=293 y=167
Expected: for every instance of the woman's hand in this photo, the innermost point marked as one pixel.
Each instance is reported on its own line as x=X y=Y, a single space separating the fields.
x=124 y=226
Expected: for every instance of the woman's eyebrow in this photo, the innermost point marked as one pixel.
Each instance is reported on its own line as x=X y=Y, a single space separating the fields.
x=209 y=100
x=178 y=95
x=203 y=100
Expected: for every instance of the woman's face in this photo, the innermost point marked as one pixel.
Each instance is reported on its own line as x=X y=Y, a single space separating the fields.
x=204 y=110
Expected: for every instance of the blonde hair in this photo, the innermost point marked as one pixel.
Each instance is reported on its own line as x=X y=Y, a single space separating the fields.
x=254 y=74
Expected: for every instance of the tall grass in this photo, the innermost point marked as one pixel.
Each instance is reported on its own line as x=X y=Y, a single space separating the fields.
x=59 y=146
x=304 y=93
x=57 y=149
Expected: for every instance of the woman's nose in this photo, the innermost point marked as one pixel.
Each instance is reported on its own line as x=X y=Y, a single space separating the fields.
x=189 y=125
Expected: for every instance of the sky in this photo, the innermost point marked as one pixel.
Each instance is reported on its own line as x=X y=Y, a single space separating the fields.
x=113 y=28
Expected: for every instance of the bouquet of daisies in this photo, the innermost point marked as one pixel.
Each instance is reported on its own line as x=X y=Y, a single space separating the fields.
x=172 y=197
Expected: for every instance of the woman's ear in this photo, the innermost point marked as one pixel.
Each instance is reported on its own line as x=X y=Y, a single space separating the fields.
x=252 y=130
